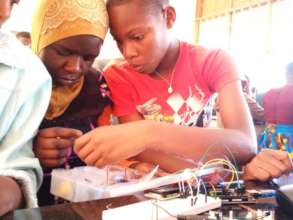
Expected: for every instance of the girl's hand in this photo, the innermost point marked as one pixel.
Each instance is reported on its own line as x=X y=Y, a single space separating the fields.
x=53 y=145
x=111 y=144
x=268 y=164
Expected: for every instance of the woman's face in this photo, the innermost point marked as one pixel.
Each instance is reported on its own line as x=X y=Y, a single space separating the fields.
x=69 y=59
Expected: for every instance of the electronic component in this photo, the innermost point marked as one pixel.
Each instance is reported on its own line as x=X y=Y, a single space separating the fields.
x=166 y=190
x=236 y=193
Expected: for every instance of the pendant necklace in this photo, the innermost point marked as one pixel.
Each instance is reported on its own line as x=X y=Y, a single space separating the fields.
x=170 y=83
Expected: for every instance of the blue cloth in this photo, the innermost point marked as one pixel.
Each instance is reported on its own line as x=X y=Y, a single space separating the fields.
x=25 y=89
x=278 y=136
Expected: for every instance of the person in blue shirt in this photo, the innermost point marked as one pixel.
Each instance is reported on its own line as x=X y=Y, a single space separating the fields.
x=25 y=88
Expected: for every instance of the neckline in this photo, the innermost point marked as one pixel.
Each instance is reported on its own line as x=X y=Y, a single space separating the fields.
x=173 y=70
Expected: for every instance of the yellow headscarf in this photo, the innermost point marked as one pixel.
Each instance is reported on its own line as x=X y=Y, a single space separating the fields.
x=55 y=20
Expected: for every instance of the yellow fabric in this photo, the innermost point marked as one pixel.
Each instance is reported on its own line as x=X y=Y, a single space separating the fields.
x=61 y=98
x=55 y=20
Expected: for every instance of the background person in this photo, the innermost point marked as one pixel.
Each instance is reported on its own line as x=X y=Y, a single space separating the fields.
x=276 y=140
x=24 y=37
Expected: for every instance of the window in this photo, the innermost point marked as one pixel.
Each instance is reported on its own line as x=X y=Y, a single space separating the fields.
x=257 y=33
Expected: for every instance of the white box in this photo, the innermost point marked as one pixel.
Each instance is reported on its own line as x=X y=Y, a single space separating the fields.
x=90 y=183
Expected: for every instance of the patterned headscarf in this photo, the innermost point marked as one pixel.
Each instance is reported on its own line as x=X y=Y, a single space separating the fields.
x=55 y=20
x=58 y=19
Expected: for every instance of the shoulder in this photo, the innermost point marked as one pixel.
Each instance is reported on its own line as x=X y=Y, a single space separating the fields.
x=21 y=61
x=271 y=92
x=200 y=52
x=202 y=57
x=119 y=73
x=286 y=90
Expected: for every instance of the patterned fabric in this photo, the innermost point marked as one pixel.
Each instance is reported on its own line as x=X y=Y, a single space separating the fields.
x=277 y=137
x=198 y=74
x=58 y=19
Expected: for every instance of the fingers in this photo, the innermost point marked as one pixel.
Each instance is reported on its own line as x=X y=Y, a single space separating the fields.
x=59 y=132
x=82 y=141
x=92 y=159
x=52 y=163
x=277 y=158
x=268 y=164
x=275 y=167
x=84 y=151
x=52 y=143
x=52 y=152
x=278 y=154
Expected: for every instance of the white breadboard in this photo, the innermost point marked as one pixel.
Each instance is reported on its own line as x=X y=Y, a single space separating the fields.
x=162 y=210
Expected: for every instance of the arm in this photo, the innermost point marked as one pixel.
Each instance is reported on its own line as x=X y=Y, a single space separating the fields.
x=238 y=133
x=22 y=109
x=11 y=197
x=167 y=162
x=103 y=145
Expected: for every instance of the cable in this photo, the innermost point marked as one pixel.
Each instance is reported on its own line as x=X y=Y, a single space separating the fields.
x=215 y=145
x=219 y=161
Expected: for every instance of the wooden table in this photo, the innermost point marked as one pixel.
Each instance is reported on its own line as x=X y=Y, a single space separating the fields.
x=93 y=210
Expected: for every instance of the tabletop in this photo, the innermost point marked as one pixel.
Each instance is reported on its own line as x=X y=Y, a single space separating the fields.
x=264 y=208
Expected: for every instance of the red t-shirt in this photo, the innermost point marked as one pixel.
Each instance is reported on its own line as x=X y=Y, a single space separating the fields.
x=278 y=105
x=198 y=74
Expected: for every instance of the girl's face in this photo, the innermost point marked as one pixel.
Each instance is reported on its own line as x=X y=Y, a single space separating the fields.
x=5 y=9
x=141 y=34
x=69 y=59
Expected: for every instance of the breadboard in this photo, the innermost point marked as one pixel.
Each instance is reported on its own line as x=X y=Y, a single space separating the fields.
x=163 y=210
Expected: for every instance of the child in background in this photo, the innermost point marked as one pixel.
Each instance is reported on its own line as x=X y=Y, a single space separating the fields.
x=166 y=80
x=24 y=37
x=22 y=107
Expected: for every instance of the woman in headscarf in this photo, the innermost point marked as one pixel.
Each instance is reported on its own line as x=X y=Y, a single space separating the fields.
x=67 y=36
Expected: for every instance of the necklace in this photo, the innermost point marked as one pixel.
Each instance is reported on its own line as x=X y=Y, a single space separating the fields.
x=170 y=87
x=170 y=83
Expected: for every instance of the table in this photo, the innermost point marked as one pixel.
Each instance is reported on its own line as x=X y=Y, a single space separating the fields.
x=92 y=210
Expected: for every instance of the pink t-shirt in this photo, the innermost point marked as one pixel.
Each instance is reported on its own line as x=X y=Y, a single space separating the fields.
x=198 y=74
x=278 y=105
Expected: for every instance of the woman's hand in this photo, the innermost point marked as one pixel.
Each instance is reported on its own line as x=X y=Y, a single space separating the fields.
x=268 y=164
x=111 y=144
x=53 y=145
